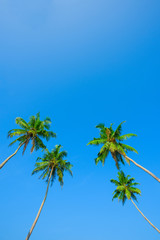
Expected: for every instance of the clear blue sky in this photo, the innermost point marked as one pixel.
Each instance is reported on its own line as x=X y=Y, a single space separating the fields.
x=80 y=62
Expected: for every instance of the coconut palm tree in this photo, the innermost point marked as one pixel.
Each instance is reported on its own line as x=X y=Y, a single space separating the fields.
x=32 y=131
x=112 y=143
x=51 y=165
x=125 y=189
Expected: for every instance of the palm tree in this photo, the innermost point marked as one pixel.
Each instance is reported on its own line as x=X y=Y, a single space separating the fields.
x=33 y=131
x=125 y=189
x=112 y=142
x=51 y=165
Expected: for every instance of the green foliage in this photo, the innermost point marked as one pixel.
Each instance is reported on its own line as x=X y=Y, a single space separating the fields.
x=112 y=142
x=32 y=131
x=53 y=161
x=125 y=188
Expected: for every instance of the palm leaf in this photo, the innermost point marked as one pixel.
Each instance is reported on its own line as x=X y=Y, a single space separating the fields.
x=100 y=126
x=127 y=147
x=20 y=139
x=118 y=131
x=22 y=123
x=126 y=136
x=97 y=141
x=16 y=132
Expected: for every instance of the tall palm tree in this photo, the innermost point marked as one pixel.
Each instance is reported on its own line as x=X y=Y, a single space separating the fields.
x=32 y=131
x=125 y=189
x=51 y=165
x=112 y=142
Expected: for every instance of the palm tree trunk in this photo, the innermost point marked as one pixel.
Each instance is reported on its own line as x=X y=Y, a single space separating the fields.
x=138 y=165
x=145 y=217
x=39 y=212
x=3 y=163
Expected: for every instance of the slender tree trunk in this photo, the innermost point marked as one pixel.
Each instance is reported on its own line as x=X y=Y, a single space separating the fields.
x=3 y=163
x=39 y=212
x=138 y=165
x=145 y=217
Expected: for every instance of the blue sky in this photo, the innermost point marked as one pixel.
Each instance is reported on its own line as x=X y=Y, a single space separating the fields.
x=80 y=62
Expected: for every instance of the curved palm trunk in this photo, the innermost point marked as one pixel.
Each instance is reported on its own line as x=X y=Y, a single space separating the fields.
x=39 y=212
x=145 y=217
x=144 y=169
x=3 y=163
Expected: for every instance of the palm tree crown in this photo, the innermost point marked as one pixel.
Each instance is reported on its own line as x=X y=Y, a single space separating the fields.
x=112 y=142
x=33 y=131
x=125 y=188
x=52 y=162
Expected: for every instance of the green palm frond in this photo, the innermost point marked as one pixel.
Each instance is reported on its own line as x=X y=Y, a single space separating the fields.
x=32 y=120
x=126 y=136
x=118 y=131
x=62 y=154
x=111 y=129
x=103 y=149
x=44 y=174
x=47 y=123
x=22 y=123
x=120 y=149
x=119 y=159
x=135 y=190
x=130 y=180
x=116 y=194
x=16 y=132
x=102 y=155
x=128 y=148
x=97 y=141
x=133 y=196
x=20 y=139
x=39 y=143
x=100 y=126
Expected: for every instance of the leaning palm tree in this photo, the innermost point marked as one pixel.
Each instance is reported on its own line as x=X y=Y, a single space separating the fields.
x=51 y=165
x=112 y=143
x=125 y=189
x=32 y=131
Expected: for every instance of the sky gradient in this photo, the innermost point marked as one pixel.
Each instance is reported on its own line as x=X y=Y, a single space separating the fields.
x=80 y=62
